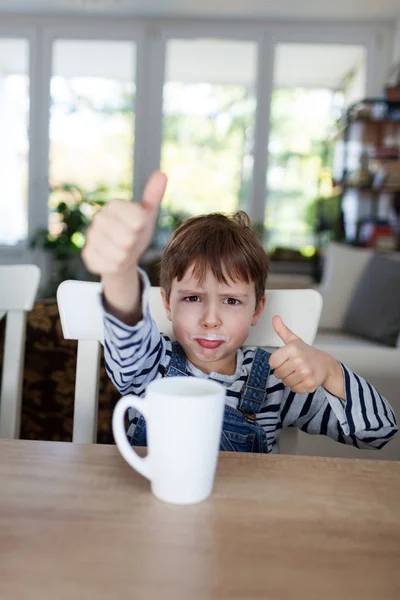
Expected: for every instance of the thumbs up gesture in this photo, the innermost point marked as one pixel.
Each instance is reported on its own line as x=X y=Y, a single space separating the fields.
x=117 y=237
x=303 y=368
x=121 y=231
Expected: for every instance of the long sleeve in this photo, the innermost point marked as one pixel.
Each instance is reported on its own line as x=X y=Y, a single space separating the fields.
x=135 y=355
x=364 y=420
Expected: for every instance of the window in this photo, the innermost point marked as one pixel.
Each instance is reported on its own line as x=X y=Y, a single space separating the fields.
x=312 y=82
x=209 y=111
x=14 y=147
x=91 y=122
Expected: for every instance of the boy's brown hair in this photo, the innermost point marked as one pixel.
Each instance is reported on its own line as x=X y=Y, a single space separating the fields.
x=220 y=242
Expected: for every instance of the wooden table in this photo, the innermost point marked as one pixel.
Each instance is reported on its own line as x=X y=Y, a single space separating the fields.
x=77 y=523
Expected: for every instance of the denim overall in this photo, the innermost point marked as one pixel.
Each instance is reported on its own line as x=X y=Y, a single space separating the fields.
x=240 y=432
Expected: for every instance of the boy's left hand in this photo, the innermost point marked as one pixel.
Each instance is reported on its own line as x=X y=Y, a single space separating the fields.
x=303 y=368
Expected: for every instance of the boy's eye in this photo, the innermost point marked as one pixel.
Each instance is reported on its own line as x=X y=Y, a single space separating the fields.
x=232 y=301
x=192 y=299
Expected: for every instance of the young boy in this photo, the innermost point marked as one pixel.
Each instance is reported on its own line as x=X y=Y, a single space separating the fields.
x=213 y=274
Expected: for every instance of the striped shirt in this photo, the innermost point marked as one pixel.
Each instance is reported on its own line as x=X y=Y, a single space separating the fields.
x=136 y=355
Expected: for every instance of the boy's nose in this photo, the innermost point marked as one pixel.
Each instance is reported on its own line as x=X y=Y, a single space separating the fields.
x=211 y=318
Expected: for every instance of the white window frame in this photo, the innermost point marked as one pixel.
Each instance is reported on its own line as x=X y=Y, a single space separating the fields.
x=150 y=36
x=228 y=31
x=17 y=30
x=98 y=31
x=377 y=39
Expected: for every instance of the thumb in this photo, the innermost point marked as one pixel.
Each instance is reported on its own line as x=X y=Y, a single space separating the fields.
x=154 y=191
x=284 y=332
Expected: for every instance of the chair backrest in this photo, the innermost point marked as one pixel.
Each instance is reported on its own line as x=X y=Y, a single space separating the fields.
x=82 y=319
x=18 y=288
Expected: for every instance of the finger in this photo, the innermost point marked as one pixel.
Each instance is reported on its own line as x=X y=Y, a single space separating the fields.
x=154 y=191
x=282 y=330
x=279 y=357
x=106 y=260
x=95 y=262
x=286 y=369
x=293 y=363
x=111 y=229
x=115 y=245
x=294 y=379
x=305 y=387
x=129 y=214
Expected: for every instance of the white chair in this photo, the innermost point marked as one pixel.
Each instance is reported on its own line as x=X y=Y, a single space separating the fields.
x=18 y=288
x=82 y=319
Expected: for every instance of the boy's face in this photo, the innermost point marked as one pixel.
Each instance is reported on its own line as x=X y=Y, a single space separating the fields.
x=212 y=321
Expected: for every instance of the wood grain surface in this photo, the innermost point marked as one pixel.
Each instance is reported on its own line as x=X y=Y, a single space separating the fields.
x=77 y=523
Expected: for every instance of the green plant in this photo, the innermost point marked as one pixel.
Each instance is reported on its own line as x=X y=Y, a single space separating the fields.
x=167 y=222
x=71 y=211
x=325 y=217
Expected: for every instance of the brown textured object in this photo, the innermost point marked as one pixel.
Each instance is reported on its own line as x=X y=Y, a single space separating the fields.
x=49 y=381
x=77 y=523
x=393 y=93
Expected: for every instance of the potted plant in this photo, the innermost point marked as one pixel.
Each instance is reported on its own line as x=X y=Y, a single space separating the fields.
x=72 y=209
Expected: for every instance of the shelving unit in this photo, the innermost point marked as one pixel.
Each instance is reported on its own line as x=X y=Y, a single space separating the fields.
x=369 y=173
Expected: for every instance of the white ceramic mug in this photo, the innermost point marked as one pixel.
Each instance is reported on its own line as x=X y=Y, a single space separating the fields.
x=184 y=417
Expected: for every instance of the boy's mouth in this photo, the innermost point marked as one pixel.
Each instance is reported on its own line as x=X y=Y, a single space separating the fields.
x=210 y=344
x=210 y=340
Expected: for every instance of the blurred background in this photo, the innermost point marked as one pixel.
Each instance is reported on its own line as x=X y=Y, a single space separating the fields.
x=286 y=110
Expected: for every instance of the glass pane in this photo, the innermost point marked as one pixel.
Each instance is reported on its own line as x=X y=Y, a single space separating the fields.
x=209 y=110
x=307 y=102
x=91 y=128
x=14 y=118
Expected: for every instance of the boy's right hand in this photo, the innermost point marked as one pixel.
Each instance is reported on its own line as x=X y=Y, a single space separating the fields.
x=121 y=231
x=117 y=237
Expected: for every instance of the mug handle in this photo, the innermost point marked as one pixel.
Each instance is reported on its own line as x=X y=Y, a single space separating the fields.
x=118 y=426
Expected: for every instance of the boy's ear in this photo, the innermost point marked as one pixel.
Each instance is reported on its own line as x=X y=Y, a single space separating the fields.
x=259 y=310
x=166 y=304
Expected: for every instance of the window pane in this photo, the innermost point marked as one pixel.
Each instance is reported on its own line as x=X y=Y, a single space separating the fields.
x=311 y=84
x=14 y=117
x=209 y=109
x=300 y=127
x=92 y=122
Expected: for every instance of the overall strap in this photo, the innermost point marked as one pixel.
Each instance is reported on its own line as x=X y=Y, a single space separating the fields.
x=255 y=388
x=178 y=363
